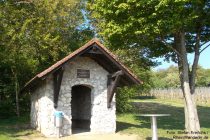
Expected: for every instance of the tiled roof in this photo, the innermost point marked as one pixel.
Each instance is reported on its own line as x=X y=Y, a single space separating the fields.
x=77 y=52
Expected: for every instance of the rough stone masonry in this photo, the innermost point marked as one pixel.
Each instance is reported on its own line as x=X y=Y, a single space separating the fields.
x=82 y=85
x=103 y=119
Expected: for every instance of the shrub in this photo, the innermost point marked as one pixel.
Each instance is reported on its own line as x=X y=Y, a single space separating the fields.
x=123 y=97
x=7 y=109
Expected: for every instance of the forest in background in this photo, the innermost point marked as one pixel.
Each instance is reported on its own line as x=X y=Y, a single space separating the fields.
x=169 y=78
x=36 y=34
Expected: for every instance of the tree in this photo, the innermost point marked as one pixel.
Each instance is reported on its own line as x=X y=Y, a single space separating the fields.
x=163 y=28
x=202 y=77
x=33 y=35
x=139 y=65
x=166 y=78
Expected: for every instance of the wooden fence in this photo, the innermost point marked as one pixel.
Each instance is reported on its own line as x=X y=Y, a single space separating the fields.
x=202 y=94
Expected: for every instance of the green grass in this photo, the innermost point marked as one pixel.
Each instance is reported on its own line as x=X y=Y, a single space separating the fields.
x=13 y=128
x=133 y=124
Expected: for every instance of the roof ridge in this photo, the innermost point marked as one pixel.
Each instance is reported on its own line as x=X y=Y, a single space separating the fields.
x=76 y=52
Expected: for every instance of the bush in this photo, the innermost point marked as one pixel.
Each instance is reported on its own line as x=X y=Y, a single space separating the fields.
x=8 y=106
x=123 y=97
x=7 y=109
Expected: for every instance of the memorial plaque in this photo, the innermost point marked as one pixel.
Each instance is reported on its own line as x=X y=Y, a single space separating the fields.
x=81 y=73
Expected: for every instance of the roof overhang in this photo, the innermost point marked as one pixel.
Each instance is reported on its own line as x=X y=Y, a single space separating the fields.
x=96 y=51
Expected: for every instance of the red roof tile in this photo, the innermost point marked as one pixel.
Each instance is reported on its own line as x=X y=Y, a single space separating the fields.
x=75 y=53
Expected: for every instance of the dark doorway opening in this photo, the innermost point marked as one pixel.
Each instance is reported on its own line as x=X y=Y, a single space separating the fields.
x=81 y=108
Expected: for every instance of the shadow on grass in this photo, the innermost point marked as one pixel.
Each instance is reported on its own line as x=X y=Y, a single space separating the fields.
x=122 y=126
x=25 y=134
x=15 y=127
x=173 y=122
x=204 y=116
x=14 y=131
x=144 y=97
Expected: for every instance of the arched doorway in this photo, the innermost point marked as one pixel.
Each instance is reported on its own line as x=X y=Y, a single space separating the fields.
x=81 y=108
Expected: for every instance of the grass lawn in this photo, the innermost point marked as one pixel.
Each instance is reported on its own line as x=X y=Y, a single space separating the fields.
x=132 y=124
x=13 y=128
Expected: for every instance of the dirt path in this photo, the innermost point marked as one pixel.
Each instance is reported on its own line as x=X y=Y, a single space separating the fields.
x=116 y=136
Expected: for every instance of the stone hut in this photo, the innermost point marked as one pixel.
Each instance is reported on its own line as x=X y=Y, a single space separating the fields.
x=82 y=86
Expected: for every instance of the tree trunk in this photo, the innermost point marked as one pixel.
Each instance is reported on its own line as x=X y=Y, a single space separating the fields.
x=17 y=98
x=193 y=71
x=16 y=92
x=191 y=115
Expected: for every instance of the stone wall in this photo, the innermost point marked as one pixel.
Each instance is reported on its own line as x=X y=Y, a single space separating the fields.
x=42 y=109
x=103 y=120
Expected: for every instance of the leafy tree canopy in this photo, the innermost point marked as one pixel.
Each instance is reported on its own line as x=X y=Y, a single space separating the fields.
x=168 y=78
x=166 y=28
x=151 y=23
x=33 y=35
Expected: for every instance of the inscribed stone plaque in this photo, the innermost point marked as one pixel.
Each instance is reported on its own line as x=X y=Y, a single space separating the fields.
x=81 y=73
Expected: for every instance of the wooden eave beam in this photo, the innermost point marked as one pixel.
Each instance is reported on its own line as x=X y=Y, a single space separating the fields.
x=119 y=66
x=113 y=80
x=118 y=73
x=94 y=50
x=57 y=79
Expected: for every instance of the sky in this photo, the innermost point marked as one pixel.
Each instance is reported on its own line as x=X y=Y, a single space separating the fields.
x=204 y=60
